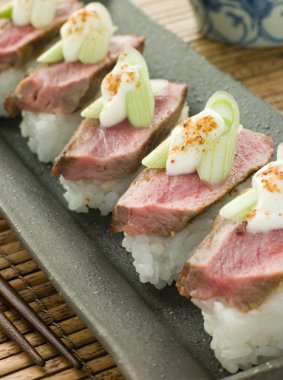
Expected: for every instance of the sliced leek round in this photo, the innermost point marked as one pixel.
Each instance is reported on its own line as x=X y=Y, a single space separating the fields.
x=239 y=207
x=52 y=55
x=218 y=159
x=93 y=111
x=139 y=102
x=158 y=157
x=6 y=10
x=280 y=152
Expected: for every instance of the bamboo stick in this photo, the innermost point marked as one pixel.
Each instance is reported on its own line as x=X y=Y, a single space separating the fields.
x=59 y=364
x=70 y=326
x=46 y=351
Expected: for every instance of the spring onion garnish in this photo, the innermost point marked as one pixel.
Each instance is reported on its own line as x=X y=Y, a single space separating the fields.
x=140 y=101
x=217 y=162
x=52 y=55
x=213 y=158
x=38 y=13
x=22 y=12
x=280 y=152
x=241 y=206
x=158 y=157
x=6 y=10
x=94 y=110
x=126 y=93
x=85 y=37
x=43 y=13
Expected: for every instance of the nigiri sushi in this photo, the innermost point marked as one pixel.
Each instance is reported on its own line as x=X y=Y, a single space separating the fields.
x=105 y=153
x=163 y=213
x=26 y=27
x=235 y=275
x=52 y=96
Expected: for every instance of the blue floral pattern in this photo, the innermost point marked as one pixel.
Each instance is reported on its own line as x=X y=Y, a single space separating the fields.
x=243 y=22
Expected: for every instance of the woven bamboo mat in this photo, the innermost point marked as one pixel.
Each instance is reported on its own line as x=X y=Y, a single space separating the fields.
x=262 y=72
x=24 y=275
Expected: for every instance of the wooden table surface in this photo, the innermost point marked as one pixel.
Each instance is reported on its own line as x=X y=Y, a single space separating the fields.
x=261 y=71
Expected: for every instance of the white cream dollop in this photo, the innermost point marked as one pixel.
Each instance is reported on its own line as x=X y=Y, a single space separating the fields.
x=267 y=215
x=115 y=88
x=188 y=141
x=93 y=18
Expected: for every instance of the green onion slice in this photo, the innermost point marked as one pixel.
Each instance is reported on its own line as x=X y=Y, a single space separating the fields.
x=239 y=207
x=217 y=161
x=94 y=48
x=158 y=157
x=139 y=102
x=93 y=111
x=43 y=13
x=6 y=10
x=280 y=152
x=52 y=55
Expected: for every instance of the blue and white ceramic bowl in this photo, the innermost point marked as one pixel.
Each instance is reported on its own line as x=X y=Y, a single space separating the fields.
x=241 y=22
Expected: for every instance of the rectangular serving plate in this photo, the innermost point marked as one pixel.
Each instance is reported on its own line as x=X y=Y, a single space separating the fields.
x=152 y=334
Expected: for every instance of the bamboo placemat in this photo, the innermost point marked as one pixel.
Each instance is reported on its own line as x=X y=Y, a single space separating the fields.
x=24 y=275
x=261 y=71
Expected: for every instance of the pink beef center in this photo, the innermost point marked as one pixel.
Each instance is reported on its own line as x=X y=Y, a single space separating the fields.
x=248 y=255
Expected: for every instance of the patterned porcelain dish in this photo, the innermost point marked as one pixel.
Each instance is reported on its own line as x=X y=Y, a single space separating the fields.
x=242 y=22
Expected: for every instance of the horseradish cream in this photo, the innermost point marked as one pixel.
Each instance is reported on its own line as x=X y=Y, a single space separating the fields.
x=93 y=20
x=115 y=88
x=267 y=215
x=188 y=141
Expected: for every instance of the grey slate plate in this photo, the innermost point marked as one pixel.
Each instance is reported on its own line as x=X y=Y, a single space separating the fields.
x=152 y=334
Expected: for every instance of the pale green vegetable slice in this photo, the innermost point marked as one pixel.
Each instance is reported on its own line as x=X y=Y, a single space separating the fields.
x=280 y=152
x=43 y=13
x=158 y=157
x=6 y=10
x=94 y=110
x=239 y=207
x=52 y=55
x=139 y=102
x=94 y=48
x=218 y=159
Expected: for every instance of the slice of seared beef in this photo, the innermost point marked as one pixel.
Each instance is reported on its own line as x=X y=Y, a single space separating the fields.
x=19 y=44
x=240 y=267
x=161 y=205
x=66 y=87
x=112 y=153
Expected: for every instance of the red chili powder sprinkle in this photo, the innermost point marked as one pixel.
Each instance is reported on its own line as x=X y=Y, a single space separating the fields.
x=251 y=214
x=113 y=83
x=268 y=184
x=196 y=133
x=80 y=16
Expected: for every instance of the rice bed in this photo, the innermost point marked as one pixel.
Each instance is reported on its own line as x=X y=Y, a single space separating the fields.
x=103 y=195
x=240 y=340
x=48 y=133
x=159 y=260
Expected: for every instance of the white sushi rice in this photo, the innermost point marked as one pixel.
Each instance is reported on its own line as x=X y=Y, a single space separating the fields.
x=103 y=195
x=48 y=133
x=159 y=260
x=8 y=83
x=240 y=340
